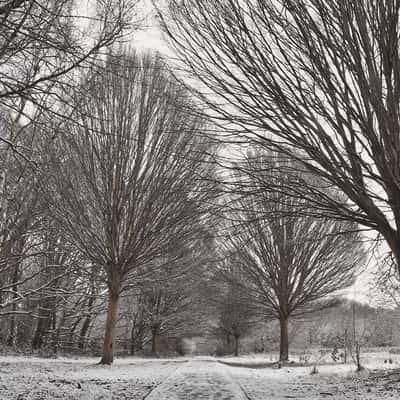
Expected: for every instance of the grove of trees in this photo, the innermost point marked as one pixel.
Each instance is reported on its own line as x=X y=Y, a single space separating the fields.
x=145 y=201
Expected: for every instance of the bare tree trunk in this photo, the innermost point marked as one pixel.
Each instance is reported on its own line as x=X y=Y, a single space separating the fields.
x=228 y=339
x=43 y=324
x=394 y=244
x=284 y=343
x=12 y=334
x=358 y=358
x=236 y=345
x=112 y=313
x=54 y=332
x=86 y=323
x=84 y=331
x=132 y=351
x=15 y=276
x=72 y=333
x=155 y=339
x=41 y=328
x=57 y=331
x=137 y=331
x=36 y=341
x=13 y=323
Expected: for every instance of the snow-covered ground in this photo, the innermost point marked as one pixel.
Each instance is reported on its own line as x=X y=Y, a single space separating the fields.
x=246 y=378
x=336 y=383
x=379 y=380
x=43 y=379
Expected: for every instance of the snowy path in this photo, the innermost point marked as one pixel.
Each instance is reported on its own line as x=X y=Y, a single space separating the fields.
x=199 y=379
x=31 y=378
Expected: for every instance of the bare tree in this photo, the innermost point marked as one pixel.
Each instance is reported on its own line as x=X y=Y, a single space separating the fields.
x=131 y=185
x=41 y=42
x=293 y=264
x=237 y=314
x=317 y=80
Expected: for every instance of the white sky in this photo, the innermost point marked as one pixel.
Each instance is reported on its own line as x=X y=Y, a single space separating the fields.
x=150 y=37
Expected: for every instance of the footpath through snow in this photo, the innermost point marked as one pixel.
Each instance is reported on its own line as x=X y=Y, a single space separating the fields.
x=30 y=378
x=201 y=378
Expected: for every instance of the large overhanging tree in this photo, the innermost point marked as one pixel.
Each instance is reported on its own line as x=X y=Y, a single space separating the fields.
x=129 y=180
x=318 y=80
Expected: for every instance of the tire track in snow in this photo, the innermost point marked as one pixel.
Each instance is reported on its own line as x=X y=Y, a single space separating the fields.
x=242 y=389
x=236 y=381
x=164 y=380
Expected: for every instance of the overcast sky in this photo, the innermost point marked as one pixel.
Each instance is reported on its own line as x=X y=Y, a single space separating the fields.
x=150 y=36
